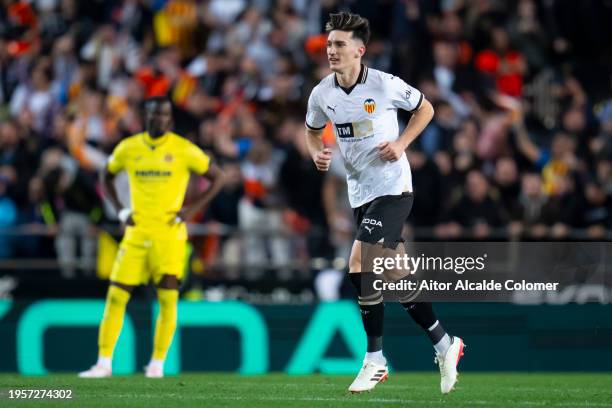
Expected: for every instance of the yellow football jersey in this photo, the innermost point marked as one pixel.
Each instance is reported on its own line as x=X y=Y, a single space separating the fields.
x=158 y=172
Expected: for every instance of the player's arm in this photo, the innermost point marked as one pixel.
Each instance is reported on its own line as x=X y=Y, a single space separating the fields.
x=315 y=123
x=217 y=179
x=419 y=120
x=320 y=154
x=403 y=96
x=114 y=165
x=421 y=117
x=108 y=181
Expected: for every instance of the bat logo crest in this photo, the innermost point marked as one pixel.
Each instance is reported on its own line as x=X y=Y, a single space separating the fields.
x=369 y=105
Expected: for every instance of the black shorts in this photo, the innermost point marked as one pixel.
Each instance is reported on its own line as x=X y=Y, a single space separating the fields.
x=383 y=219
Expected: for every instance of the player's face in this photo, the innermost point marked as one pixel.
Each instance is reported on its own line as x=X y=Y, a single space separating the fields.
x=159 y=118
x=343 y=51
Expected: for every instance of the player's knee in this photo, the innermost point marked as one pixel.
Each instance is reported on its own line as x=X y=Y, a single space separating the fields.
x=354 y=264
x=122 y=286
x=168 y=282
x=364 y=286
x=117 y=296
x=355 y=258
x=395 y=250
x=167 y=297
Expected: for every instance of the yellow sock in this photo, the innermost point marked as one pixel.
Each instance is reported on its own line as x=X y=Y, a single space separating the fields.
x=110 y=327
x=166 y=322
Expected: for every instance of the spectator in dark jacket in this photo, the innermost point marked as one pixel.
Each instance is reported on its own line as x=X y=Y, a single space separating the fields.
x=475 y=213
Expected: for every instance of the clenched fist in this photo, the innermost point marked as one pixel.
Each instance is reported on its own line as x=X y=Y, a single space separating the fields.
x=390 y=151
x=322 y=159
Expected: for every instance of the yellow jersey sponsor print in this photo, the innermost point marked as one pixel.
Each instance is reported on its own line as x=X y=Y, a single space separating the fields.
x=158 y=172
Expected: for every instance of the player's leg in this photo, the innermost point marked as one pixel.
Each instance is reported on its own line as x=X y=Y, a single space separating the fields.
x=126 y=274
x=117 y=298
x=423 y=314
x=168 y=266
x=379 y=233
x=165 y=326
x=374 y=369
x=449 y=349
x=370 y=303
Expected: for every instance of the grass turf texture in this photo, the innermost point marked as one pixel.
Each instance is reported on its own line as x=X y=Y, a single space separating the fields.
x=279 y=390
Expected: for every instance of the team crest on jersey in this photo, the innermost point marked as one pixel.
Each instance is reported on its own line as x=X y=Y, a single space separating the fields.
x=168 y=157
x=369 y=105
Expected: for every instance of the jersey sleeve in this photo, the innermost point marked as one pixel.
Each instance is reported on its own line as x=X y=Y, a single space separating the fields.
x=315 y=117
x=197 y=160
x=402 y=95
x=116 y=161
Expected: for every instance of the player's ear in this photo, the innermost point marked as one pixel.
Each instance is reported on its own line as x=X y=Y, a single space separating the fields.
x=361 y=51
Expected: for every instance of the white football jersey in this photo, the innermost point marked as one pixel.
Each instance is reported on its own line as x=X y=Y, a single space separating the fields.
x=363 y=117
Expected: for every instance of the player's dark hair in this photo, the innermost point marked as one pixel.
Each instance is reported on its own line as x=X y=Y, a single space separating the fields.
x=157 y=100
x=345 y=21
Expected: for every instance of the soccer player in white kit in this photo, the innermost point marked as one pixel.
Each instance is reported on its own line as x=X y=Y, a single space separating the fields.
x=362 y=105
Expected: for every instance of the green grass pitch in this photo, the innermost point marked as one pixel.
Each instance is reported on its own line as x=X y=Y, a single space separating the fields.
x=279 y=390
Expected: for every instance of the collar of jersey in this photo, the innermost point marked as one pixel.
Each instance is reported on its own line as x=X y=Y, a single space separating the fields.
x=149 y=141
x=363 y=75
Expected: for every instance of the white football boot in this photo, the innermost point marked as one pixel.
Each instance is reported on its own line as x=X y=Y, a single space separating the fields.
x=369 y=376
x=96 y=371
x=154 y=371
x=448 y=365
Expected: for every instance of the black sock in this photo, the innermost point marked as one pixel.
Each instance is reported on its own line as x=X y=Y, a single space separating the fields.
x=422 y=313
x=372 y=317
x=372 y=308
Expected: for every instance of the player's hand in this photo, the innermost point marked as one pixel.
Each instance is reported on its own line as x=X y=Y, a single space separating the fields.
x=125 y=216
x=179 y=217
x=391 y=151
x=323 y=159
x=184 y=215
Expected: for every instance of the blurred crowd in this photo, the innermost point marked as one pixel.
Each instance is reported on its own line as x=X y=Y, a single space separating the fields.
x=520 y=144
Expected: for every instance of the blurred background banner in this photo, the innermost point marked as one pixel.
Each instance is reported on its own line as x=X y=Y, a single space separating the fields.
x=326 y=338
x=520 y=147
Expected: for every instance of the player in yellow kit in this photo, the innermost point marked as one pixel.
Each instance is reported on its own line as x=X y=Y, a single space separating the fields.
x=158 y=163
